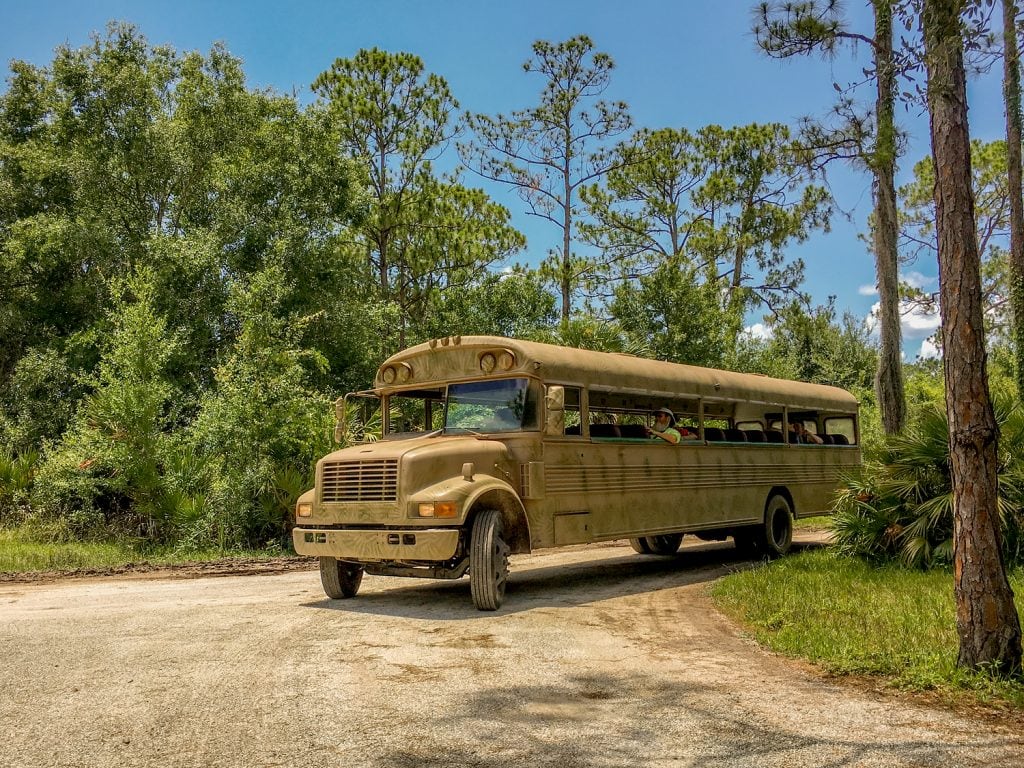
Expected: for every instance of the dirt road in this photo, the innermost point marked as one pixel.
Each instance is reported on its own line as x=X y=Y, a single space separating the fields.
x=600 y=657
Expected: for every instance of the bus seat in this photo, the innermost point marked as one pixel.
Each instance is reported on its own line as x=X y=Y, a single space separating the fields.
x=755 y=436
x=773 y=436
x=838 y=439
x=827 y=440
x=713 y=434
x=791 y=437
x=632 y=430
x=604 y=430
x=735 y=435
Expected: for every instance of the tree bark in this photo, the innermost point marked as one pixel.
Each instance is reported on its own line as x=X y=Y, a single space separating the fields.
x=986 y=618
x=889 y=377
x=1011 y=96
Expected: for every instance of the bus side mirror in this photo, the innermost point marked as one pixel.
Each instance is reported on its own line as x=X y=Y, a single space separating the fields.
x=554 y=408
x=340 y=414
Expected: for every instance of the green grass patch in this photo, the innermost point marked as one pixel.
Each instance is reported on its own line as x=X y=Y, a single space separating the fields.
x=819 y=521
x=856 y=619
x=20 y=552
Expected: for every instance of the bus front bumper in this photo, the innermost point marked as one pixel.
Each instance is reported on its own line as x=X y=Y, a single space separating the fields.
x=437 y=544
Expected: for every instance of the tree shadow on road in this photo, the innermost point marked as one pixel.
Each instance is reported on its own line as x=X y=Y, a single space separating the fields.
x=604 y=720
x=564 y=585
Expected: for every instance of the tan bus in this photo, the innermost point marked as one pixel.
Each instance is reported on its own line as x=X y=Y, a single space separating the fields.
x=493 y=446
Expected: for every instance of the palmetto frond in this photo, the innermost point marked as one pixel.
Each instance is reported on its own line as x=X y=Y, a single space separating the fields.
x=901 y=505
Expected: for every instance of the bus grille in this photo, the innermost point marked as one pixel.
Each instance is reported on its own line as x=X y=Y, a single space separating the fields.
x=343 y=481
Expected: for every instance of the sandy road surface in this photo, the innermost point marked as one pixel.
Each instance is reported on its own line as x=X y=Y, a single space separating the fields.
x=600 y=657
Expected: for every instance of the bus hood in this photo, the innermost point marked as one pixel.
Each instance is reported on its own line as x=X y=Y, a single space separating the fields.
x=435 y=446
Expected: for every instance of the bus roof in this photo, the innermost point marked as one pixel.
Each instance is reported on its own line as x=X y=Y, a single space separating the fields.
x=621 y=372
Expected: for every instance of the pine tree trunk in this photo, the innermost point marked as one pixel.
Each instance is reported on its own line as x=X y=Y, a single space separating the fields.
x=986 y=618
x=889 y=377
x=1011 y=95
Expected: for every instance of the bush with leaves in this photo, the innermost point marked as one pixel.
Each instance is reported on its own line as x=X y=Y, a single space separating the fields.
x=106 y=471
x=262 y=428
x=900 y=506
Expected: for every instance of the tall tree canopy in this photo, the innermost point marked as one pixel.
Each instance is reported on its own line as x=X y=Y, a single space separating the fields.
x=548 y=152
x=420 y=233
x=801 y=28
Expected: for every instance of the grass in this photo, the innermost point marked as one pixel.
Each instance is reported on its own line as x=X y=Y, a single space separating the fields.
x=817 y=522
x=855 y=619
x=19 y=553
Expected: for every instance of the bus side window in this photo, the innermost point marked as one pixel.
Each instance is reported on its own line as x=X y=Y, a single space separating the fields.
x=842 y=430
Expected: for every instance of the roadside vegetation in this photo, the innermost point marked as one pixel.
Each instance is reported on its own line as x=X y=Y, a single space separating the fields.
x=21 y=552
x=854 y=618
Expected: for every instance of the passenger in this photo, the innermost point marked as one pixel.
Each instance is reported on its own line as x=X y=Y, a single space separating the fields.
x=664 y=427
x=803 y=436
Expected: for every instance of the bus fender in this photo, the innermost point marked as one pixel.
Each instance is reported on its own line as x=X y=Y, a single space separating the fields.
x=497 y=494
x=783 y=491
x=484 y=492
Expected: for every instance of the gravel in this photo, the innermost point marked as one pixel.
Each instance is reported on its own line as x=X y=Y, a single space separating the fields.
x=599 y=657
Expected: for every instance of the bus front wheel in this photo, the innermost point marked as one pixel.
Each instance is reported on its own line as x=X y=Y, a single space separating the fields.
x=488 y=561
x=776 y=535
x=341 y=580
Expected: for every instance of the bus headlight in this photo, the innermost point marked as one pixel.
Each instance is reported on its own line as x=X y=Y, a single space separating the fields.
x=304 y=509
x=487 y=362
x=506 y=360
x=388 y=375
x=437 y=509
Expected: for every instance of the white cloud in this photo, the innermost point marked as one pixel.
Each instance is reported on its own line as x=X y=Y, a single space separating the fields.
x=919 y=281
x=758 y=331
x=928 y=350
x=868 y=290
x=916 y=322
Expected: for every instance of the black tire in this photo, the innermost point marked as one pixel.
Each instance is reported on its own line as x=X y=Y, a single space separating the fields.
x=640 y=546
x=776 y=535
x=667 y=544
x=488 y=561
x=341 y=579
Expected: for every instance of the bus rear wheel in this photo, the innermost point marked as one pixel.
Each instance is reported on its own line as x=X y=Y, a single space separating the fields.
x=667 y=544
x=341 y=579
x=640 y=546
x=776 y=535
x=488 y=561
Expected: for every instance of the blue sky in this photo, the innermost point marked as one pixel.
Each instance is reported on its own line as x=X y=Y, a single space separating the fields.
x=686 y=63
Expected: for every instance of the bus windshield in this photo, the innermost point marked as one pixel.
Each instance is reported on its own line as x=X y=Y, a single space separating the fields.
x=504 y=405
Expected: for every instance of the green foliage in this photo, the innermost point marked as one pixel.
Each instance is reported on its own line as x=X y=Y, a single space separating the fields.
x=261 y=423
x=108 y=462
x=900 y=506
x=513 y=303
x=39 y=400
x=851 y=617
x=419 y=235
x=548 y=153
x=674 y=314
x=706 y=216
x=812 y=346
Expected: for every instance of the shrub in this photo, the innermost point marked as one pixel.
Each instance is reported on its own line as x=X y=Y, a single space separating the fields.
x=901 y=503
x=263 y=426
x=106 y=471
